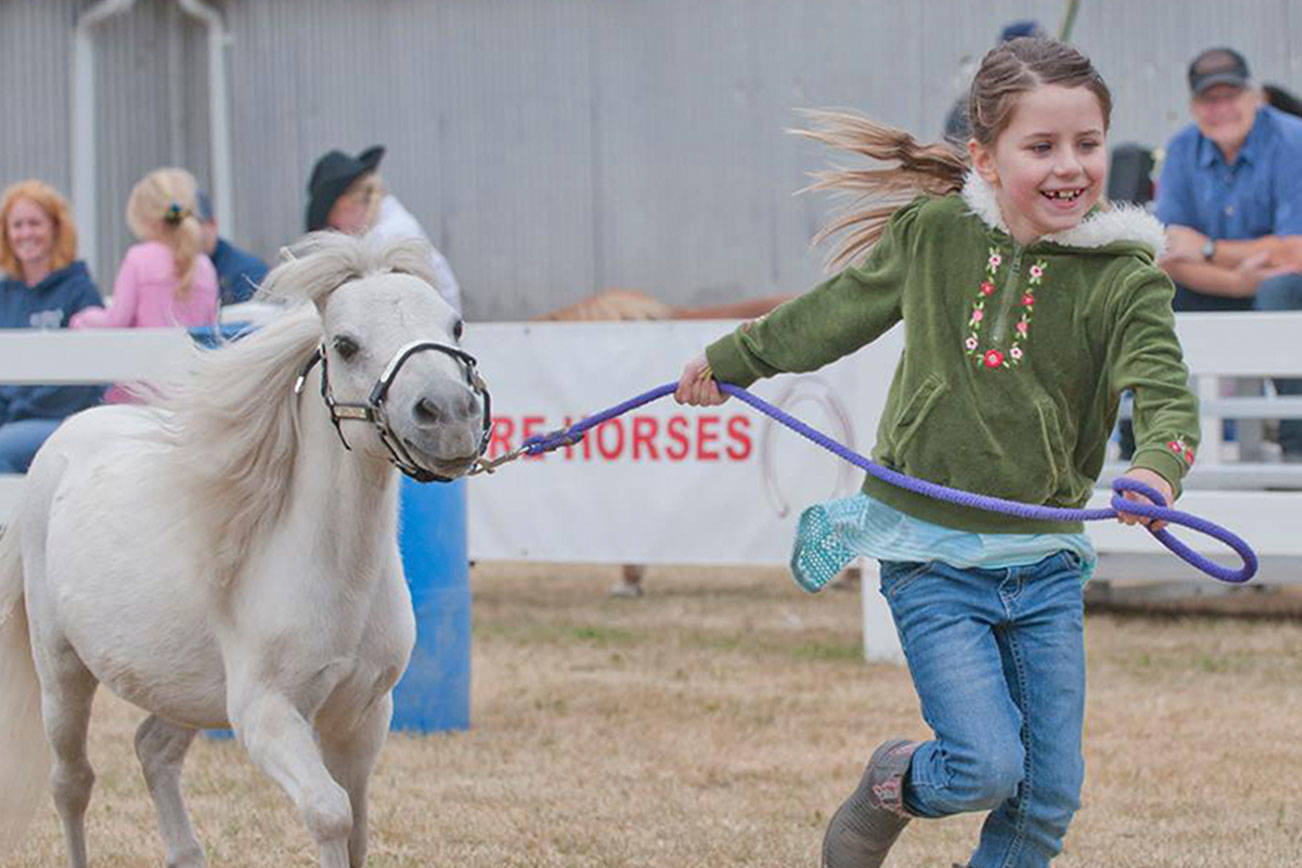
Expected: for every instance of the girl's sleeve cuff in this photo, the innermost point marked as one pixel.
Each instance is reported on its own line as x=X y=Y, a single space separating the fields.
x=1164 y=463
x=729 y=363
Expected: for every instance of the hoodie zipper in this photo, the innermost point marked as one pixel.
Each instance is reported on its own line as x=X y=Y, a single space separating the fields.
x=999 y=327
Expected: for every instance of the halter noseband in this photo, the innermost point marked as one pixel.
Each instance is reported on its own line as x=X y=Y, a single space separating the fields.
x=373 y=410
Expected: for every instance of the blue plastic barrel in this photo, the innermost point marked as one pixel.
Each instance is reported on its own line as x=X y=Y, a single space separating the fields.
x=434 y=694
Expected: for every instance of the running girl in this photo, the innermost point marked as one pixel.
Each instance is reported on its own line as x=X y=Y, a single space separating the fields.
x=1027 y=308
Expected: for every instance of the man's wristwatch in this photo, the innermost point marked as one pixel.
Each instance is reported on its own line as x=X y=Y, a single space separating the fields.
x=1209 y=250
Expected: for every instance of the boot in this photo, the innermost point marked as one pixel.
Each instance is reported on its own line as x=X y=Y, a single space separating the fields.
x=866 y=825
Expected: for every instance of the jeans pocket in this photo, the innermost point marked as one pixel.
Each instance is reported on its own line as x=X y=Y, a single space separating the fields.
x=1071 y=560
x=898 y=575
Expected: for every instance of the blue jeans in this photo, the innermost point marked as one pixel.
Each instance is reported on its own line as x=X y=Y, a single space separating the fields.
x=20 y=440
x=1284 y=293
x=998 y=660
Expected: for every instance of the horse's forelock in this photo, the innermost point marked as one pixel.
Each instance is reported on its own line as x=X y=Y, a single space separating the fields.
x=321 y=262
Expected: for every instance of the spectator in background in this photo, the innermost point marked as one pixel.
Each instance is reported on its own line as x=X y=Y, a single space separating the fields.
x=1231 y=196
x=44 y=285
x=238 y=272
x=1283 y=99
x=165 y=280
x=347 y=194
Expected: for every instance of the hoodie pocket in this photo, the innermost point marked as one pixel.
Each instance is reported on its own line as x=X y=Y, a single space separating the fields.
x=916 y=410
x=1058 y=444
x=1057 y=452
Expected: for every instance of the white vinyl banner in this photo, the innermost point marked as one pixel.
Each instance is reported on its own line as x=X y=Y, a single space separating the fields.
x=663 y=483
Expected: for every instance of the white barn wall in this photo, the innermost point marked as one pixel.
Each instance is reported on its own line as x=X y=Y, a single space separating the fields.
x=557 y=147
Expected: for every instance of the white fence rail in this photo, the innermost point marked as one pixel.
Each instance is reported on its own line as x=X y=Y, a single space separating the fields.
x=97 y=355
x=1260 y=500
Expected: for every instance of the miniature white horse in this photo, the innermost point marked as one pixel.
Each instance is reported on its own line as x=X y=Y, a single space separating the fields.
x=219 y=557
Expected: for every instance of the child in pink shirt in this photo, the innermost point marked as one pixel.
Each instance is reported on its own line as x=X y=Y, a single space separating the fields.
x=164 y=280
x=146 y=295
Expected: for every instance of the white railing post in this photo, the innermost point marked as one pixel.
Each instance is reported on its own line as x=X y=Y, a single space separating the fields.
x=1212 y=448
x=881 y=644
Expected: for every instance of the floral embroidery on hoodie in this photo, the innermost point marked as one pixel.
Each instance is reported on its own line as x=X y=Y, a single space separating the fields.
x=1180 y=448
x=992 y=358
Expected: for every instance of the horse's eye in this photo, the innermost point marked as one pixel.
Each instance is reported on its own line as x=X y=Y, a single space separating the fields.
x=346 y=347
x=457 y=329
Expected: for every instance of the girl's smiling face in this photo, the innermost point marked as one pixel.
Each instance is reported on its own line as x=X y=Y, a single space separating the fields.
x=1049 y=165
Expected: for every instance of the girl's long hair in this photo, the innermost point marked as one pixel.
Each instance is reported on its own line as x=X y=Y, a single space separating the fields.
x=162 y=208
x=52 y=203
x=940 y=168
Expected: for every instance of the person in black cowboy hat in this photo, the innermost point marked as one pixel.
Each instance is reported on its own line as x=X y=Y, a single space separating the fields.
x=347 y=194
x=337 y=176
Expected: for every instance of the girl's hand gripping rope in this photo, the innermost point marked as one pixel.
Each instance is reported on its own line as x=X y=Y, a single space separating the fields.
x=1151 y=479
x=696 y=385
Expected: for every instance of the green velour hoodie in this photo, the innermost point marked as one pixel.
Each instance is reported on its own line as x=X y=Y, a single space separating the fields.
x=1014 y=355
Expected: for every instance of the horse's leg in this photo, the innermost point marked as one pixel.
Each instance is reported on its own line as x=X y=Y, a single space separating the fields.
x=279 y=741
x=67 y=689
x=161 y=747
x=350 y=759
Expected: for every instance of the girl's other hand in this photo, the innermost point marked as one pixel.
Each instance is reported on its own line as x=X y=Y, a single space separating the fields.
x=697 y=387
x=1152 y=480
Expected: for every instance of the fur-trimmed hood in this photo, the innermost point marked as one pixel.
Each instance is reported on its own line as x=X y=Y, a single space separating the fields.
x=1111 y=224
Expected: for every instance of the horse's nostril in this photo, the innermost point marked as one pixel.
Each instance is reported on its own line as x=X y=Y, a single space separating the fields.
x=426 y=412
x=468 y=407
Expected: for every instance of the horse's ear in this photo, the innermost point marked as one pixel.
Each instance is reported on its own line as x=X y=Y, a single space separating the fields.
x=312 y=268
x=321 y=297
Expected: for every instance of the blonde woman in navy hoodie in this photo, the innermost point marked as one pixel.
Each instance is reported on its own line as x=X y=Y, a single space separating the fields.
x=43 y=285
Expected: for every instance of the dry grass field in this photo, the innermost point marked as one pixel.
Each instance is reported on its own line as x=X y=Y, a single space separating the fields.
x=718 y=720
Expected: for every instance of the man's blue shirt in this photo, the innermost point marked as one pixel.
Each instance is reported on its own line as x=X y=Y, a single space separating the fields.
x=1261 y=194
x=238 y=272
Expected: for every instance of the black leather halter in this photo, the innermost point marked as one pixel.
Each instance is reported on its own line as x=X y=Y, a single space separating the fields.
x=374 y=411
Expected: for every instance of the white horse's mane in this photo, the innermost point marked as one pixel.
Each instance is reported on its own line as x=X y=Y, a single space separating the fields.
x=229 y=423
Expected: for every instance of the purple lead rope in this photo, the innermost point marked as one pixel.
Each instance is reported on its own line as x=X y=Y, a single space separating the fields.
x=1156 y=509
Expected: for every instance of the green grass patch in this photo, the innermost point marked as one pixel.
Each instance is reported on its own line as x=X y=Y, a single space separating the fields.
x=828 y=650
x=602 y=635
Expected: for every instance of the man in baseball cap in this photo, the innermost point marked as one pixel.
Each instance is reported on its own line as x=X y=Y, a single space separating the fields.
x=1218 y=66
x=1231 y=197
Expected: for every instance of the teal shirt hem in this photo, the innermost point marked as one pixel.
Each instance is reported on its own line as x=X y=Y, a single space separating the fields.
x=833 y=533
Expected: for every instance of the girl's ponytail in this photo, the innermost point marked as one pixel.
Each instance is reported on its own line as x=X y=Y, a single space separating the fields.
x=936 y=169
x=185 y=237
x=162 y=208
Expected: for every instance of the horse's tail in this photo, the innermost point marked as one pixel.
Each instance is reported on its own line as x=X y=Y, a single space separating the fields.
x=24 y=756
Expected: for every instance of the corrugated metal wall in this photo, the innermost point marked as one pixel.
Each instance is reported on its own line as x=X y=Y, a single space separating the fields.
x=556 y=147
x=151 y=111
x=35 y=51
